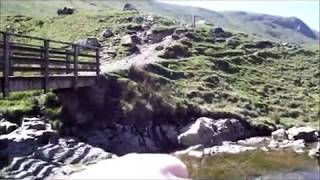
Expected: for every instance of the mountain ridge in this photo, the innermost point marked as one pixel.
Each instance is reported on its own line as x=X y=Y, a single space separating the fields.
x=276 y=28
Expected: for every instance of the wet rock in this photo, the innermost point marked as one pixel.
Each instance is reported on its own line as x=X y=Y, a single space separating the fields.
x=106 y=33
x=55 y=159
x=227 y=148
x=255 y=141
x=315 y=152
x=7 y=127
x=279 y=135
x=297 y=145
x=306 y=133
x=193 y=151
x=129 y=7
x=208 y=132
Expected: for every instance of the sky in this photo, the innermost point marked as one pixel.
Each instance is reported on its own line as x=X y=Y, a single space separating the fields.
x=306 y=10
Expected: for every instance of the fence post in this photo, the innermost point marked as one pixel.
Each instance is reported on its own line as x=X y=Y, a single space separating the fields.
x=46 y=65
x=97 y=65
x=68 y=61
x=75 y=65
x=6 y=65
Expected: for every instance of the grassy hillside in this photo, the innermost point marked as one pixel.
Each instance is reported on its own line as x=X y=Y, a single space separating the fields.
x=263 y=26
x=279 y=87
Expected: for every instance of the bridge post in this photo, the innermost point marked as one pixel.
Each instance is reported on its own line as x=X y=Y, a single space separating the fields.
x=97 y=65
x=6 y=65
x=75 y=65
x=68 y=60
x=46 y=64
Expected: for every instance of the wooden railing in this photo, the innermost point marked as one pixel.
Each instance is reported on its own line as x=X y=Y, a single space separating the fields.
x=27 y=56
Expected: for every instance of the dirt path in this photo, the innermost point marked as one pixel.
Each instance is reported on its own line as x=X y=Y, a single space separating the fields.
x=147 y=55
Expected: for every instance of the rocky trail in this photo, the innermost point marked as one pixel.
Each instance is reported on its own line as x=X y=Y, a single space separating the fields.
x=147 y=54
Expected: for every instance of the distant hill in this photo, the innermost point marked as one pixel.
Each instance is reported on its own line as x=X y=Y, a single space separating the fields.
x=277 y=28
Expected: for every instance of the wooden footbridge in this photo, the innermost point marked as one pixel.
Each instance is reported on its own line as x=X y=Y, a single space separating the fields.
x=32 y=63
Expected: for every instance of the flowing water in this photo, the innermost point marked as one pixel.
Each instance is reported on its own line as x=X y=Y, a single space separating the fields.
x=258 y=164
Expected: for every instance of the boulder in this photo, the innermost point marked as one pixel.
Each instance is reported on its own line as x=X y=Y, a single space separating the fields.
x=217 y=30
x=257 y=45
x=179 y=31
x=306 y=133
x=186 y=41
x=175 y=51
x=156 y=35
x=134 y=27
x=91 y=41
x=279 y=135
x=159 y=48
x=138 y=19
x=7 y=127
x=219 y=40
x=126 y=41
x=135 y=39
x=129 y=7
x=233 y=41
x=65 y=11
x=106 y=33
x=254 y=141
x=207 y=132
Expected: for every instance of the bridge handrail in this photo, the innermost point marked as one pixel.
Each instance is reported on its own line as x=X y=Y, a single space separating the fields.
x=45 y=39
x=65 y=60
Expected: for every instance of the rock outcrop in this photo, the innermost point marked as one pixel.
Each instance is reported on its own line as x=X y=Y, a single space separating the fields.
x=129 y=7
x=90 y=42
x=34 y=151
x=306 y=133
x=210 y=132
x=7 y=127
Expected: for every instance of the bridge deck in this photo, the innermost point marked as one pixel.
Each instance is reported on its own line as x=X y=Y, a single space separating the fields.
x=47 y=65
x=54 y=82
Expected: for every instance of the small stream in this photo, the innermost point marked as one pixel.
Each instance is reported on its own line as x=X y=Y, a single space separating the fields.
x=258 y=164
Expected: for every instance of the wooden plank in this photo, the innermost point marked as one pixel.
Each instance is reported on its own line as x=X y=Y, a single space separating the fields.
x=25 y=54
x=38 y=69
x=68 y=61
x=25 y=60
x=61 y=52
x=87 y=55
x=87 y=63
x=29 y=49
x=6 y=64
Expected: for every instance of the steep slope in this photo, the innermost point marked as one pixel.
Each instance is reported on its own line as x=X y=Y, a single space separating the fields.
x=285 y=29
x=265 y=81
